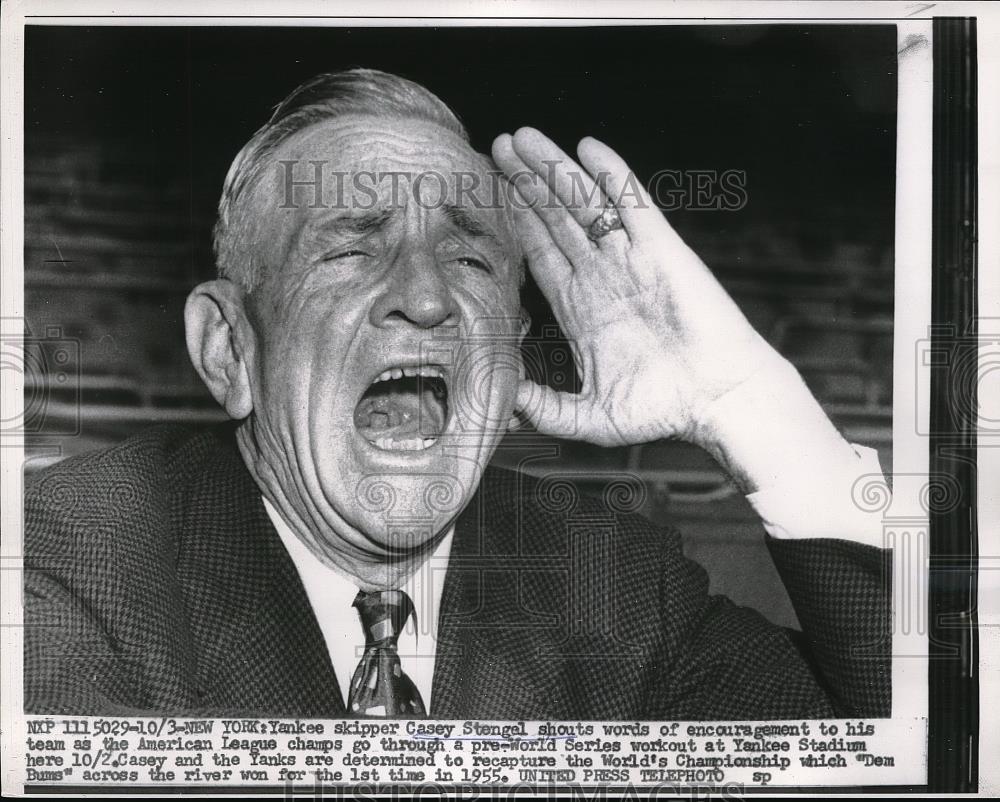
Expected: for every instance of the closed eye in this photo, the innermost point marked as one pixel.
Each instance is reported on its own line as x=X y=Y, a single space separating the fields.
x=468 y=261
x=343 y=255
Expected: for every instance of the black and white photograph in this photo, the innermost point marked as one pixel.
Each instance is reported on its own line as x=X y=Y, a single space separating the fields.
x=494 y=402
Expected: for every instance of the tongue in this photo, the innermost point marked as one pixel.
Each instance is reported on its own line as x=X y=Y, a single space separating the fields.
x=399 y=412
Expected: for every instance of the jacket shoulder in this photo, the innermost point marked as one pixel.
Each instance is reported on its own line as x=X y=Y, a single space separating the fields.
x=121 y=487
x=105 y=623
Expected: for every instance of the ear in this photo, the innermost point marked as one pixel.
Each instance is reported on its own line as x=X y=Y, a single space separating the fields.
x=219 y=340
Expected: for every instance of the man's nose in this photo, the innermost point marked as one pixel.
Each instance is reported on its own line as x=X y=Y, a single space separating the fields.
x=416 y=293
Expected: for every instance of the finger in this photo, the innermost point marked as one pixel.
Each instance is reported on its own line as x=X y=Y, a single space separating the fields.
x=535 y=193
x=506 y=159
x=638 y=212
x=551 y=269
x=551 y=412
x=576 y=189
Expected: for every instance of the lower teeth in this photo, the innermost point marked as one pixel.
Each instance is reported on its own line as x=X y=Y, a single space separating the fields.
x=410 y=444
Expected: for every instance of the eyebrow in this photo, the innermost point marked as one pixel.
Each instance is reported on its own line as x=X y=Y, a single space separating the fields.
x=375 y=219
x=468 y=223
x=359 y=223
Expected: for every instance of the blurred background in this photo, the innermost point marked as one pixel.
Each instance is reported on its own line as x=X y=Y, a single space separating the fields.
x=129 y=133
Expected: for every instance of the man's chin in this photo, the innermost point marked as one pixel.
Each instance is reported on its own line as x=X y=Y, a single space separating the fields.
x=402 y=512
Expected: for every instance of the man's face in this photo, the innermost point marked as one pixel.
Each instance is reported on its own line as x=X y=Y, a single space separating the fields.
x=387 y=324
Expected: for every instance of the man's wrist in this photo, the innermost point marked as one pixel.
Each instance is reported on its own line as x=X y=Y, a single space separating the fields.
x=770 y=431
x=829 y=510
x=783 y=452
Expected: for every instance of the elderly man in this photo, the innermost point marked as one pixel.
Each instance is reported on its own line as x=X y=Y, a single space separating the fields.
x=343 y=548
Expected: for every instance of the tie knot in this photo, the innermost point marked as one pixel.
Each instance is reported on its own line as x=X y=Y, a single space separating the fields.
x=383 y=614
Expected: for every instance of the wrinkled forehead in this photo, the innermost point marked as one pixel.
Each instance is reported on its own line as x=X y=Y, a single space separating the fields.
x=362 y=163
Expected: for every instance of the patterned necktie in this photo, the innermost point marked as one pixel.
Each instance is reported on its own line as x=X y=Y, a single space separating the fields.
x=379 y=688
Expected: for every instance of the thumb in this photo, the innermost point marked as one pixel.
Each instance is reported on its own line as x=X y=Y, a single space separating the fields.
x=550 y=411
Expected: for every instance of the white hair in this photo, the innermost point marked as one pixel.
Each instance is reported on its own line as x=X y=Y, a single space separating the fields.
x=327 y=96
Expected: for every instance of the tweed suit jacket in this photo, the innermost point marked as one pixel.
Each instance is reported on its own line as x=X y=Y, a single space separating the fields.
x=155 y=583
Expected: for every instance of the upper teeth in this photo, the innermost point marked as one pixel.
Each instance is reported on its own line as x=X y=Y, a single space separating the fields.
x=398 y=373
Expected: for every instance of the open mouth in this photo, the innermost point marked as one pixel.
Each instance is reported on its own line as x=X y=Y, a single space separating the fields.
x=404 y=409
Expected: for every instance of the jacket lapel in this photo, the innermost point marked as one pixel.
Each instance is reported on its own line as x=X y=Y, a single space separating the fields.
x=538 y=616
x=258 y=643
x=495 y=659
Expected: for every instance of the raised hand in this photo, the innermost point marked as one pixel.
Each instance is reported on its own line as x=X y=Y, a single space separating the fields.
x=657 y=340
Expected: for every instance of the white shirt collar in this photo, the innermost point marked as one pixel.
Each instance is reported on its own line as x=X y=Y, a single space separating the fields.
x=331 y=596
